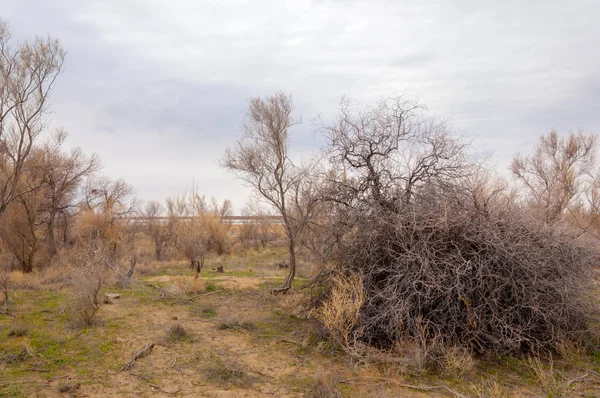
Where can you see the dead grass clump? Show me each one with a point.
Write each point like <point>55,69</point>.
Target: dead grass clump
<point>68,387</point>
<point>458,362</point>
<point>234,323</point>
<point>325,385</point>
<point>489,389</point>
<point>340,313</point>
<point>226,373</point>
<point>18,331</point>
<point>552,381</point>
<point>190,285</point>
<point>176,333</point>
<point>25,281</point>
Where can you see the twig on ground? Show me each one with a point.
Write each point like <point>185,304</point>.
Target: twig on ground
<point>193,297</point>
<point>144,352</point>
<point>159,388</point>
<point>578,379</point>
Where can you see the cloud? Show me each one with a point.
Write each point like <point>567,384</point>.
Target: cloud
<point>159,89</point>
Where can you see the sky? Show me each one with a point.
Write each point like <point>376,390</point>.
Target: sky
<point>159,89</point>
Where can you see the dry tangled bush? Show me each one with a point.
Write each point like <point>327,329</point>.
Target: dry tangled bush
<point>488,282</point>
<point>447,258</point>
<point>90,276</point>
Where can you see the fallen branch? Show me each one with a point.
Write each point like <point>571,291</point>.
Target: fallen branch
<point>578,379</point>
<point>144,352</point>
<point>290,341</point>
<point>7,314</point>
<point>193,297</point>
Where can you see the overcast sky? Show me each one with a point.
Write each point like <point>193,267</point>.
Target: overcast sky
<point>159,88</point>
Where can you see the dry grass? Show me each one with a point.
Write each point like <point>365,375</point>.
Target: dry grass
<point>489,389</point>
<point>326,385</point>
<point>552,381</point>
<point>458,362</point>
<point>275,354</point>
<point>226,373</point>
<point>176,333</point>
<point>339,314</point>
<point>18,331</point>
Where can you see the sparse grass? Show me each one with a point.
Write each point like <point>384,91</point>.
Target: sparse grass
<point>211,287</point>
<point>280,352</point>
<point>552,381</point>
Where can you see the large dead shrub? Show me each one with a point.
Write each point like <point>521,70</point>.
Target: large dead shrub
<point>447,258</point>
<point>497,282</point>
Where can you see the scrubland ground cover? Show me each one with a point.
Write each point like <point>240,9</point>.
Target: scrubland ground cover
<point>225,334</point>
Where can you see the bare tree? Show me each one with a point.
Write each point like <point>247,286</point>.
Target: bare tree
<point>104,213</point>
<point>187,214</point>
<point>384,153</point>
<point>555,176</point>
<point>27,74</point>
<point>261,159</point>
<point>63,176</point>
<point>441,258</point>
<point>159,231</point>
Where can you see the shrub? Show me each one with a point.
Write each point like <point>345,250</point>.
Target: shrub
<point>90,277</point>
<point>340,313</point>
<point>490,282</point>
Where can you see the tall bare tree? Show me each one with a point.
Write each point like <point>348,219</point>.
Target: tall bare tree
<point>383,154</point>
<point>261,159</point>
<point>556,174</point>
<point>27,74</point>
<point>64,175</point>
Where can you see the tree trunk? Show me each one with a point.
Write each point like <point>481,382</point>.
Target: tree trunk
<point>292,272</point>
<point>51,237</point>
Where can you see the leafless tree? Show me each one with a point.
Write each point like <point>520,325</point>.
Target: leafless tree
<point>261,159</point>
<point>64,175</point>
<point>187,213</point>
<point>27,74</point>
<point>382,154</point>
<point>159,231</point>
<point>104,212</point>
<point>442,257</point>
<point>556,175</point>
